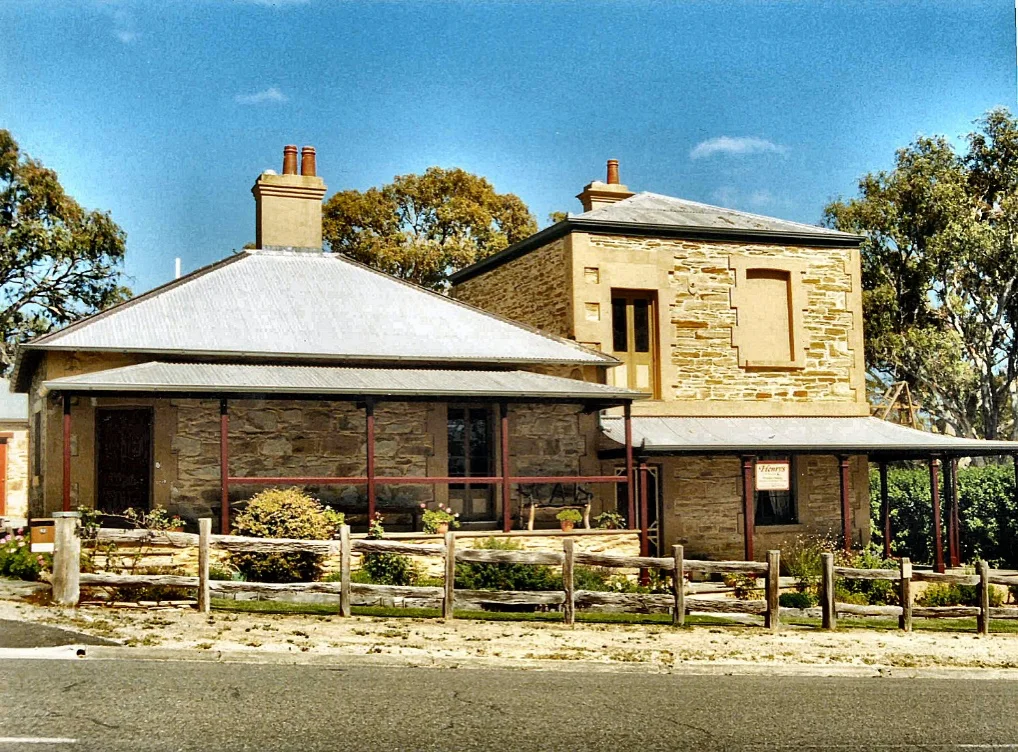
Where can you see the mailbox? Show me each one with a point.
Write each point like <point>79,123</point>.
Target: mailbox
<point>43,535</point>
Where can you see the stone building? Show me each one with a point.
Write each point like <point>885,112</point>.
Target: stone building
<point>13,458</point>
<point>745,332</point>
<point>284,365</point>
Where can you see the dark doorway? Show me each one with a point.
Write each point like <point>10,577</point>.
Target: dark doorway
<point>123,450</point>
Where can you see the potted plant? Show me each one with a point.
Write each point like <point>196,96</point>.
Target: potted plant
<point>610,521</point>
<point>439,520</point>
<point>568,518</point>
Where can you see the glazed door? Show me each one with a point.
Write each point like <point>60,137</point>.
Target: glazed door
<point>123,450</point>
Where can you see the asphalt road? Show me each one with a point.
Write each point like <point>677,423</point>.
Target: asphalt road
<point>146,705</point>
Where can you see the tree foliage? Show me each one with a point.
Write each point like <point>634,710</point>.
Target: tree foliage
<point>940,295</point>
<point>58,261</point>
<point>424,227</point>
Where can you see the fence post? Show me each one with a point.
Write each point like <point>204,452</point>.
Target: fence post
<point>905,621</point>
<point>830,612</point>
<point>204,594</point>
<point>679,586</point>
<point>569,607</point>
<point>344,570</point>
<point>773,617</point>
<point>66,559</point>
<point>450,575</point>
<point>984,598</point>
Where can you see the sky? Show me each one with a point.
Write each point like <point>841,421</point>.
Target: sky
<point>164,112</point>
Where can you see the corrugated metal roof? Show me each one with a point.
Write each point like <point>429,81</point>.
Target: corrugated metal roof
<point>310,380</point>
<point>861,435</point>
<point>12,406</point>
<point>317,305</point>
<point>655,209</point>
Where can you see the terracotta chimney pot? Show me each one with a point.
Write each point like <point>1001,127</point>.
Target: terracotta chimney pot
<point>290,159</point>
<point>307,161</point>
<point>613,172</point>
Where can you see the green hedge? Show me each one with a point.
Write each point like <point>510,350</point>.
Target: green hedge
<point>989,515</point>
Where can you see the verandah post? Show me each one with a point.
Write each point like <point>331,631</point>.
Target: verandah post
<point>224,467</point>
<point>951,487</point>
<point>773,617</point>
<point>344,570</point>
<point>450,575</point>
<point>569,606</point>
<point>66,559</point>
<point>678,586</point>
<point>503,410</point>
<point>938,539</point>
<point>369,414</point>
<point>204,537</point>
<point>846,504</point>
<point>644,530</point>
<point>827,604</point>
<point>905,595</point>
<point>748,506</point>
<point>66,495</point>
<point>885,509</point>
<point>630,471</point>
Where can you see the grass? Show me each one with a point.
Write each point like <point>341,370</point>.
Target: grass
<point>593,617</point>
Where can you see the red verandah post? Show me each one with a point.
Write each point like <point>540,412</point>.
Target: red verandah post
<point>503,411</point>
<point>369,411</point>
<point>938,540</point>
<point>630,473</point>
<point>885,509</point>
<point>66,501</point>
<point>748,506</point>
<point>846,505</point>
<point>644,533</point>
<point>951,487</point>
<point>224,467</point>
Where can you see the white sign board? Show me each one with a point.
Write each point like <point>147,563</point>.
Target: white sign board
<point>773,475</point>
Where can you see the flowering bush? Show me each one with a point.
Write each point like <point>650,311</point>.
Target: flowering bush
<point>433,518</point>
<point>386,568</point>
<point>17,559</point>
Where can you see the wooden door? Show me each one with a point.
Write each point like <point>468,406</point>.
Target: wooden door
<point>123,450</point>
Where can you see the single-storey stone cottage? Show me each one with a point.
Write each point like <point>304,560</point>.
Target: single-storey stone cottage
<point>695,369</point>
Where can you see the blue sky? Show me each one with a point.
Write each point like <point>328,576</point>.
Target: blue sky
<point>165,112</point>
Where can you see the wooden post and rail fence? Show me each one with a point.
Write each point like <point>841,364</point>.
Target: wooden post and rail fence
<point>67,579</point>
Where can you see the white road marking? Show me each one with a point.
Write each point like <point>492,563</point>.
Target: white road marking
<point>36,740</point>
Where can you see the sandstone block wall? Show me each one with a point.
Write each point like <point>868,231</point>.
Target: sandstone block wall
<point>17,471</point>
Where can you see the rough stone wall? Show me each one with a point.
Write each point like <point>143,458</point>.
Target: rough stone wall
<point>17,471</point>
<point>533,289</point>
<point>696,319</point>
<point>289,438</point>
<point>702,505</point>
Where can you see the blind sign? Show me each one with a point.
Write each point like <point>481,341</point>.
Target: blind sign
<point>773,475</point>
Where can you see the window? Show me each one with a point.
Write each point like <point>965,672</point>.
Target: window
<point>471,455</point>
<point>777,507</point>
<point>769,300</point>
<point>634,325</point>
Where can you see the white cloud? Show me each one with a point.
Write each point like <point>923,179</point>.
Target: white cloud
<point>761,199</point>
<point>735,146</point>
<point>271,94</point>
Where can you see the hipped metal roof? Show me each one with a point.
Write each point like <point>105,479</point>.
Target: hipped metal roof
<point>315,306</point>
<point>654,215</point>
<point>228,378</point>
<point>849,435</point>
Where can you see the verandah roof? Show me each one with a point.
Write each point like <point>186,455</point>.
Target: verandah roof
<point>229,378</point>
<point>754,435</point>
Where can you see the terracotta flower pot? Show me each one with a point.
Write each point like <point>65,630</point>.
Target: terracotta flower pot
<point>443,528</point>
<point>567,525</point>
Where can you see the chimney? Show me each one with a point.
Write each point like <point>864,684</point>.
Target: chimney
<point>288,207</point>
<point>597,194</point>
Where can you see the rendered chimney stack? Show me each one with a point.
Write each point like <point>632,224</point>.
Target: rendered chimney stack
<point>599,194</point>
<point>307,161</point>
<point>288,207</point>
<point>613,172</point>
<point>290,159</point>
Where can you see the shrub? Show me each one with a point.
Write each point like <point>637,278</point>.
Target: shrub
<point>743,585</point>
<point>433,518</point>
<point>569,515</point>
<point>866,592</point>
<point>956,595</point>
<point>797,600</point>
<point>282,513</point>
<point>505,576</point>
<point>801,559</point>
<point>17,559</point>
<point>386,568</point>
<point>610,521</point>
